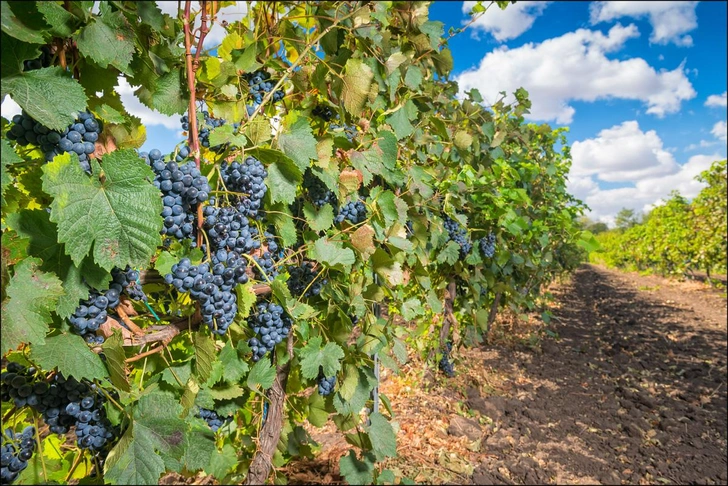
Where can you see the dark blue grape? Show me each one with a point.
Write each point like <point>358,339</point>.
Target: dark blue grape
<point>459,235</point>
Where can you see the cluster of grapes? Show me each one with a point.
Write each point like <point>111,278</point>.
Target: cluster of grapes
<point>91,313</point>
<point>229,229</point>
<point>445,365</point>
<point>79,137</point>
<point>353,211</point>
<point>248,178</point>
<point>16,451</point>
<point>43,61</point>
<point>300,279</point>
<point>259,83</point>
<point>324,112</point>
<point>270,325</point>
<point>203,132</point>
<point>349,130</point>
<point>317,190</point>
<point>183,187</point>
<point>487,245</point>
<point>212,288</point>
<point>459,235</point>
<point>410,228</point>
<point>63,403</point>
<point>214,421</point>
<point>126,280</point>
<point>325,384</point>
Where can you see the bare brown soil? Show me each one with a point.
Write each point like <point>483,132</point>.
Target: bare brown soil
<point>632,390</point>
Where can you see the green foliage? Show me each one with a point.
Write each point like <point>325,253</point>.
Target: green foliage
<point>405,146</point>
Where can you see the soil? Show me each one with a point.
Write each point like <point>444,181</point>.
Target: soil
<point>630,388</point>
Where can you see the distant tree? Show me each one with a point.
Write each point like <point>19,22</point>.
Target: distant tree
<point>625,219</point>
<point>595,227</point>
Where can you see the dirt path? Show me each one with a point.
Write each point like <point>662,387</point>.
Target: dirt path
<point>634,391</point>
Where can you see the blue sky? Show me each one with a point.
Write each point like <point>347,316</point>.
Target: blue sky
<point>641,86</point>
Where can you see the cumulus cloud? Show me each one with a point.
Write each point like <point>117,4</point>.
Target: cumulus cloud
<point>717,100</point>
<point>136,108</point>
<point>622,153</point>
<point>229,14</point>
<point>574,67</point>
<point>670,21</point>
<point>719,131</point>
<point>509,23</point>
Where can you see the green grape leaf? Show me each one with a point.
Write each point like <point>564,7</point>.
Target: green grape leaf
<point>114,351</point>
<point>413,78</point>
<point>205,356</point>
<point>234,366</point>
<point>72,356</point>
<point>153,442</point>
<point>13,53</point>
<point>7,157</point>
<point>221,463</point>
<point>281,217</point>
<point>387,268</point>
<point>19,22</point>
<point>332,254</point>
<point>357,79</point>
<point>283,179</point>
<point>49,95</point>
<point>412,308</point>
<point>393,208</point>
<point>299,144</point>
<point>355,471</point>
<point>108,40</point>
<point>227,392</point>
<point>317,414</point>
<point>400,123</point>
<point>224,134</point>
<point>199,449</point>
<point>313,355</point>
<point>61,22</point>
<point>450,254</point>
<point>381,434</point>
<point>319,219</point>
<point>119,213</point>
<point>263,374</point>
<point>32,295</point>
<point>182,371</point>
<point>170,96</point>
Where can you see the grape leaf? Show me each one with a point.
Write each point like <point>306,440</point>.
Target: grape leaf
<point>227,392</point>
<point>7,157</point>
<point>332,254</point>
<point>61,22</point>
<point>261,374</point>
<point>357,78</point>
<point>170,95</point>
<point>387,268</point>
<point>234,367</point>
<point>108,40</point>
<point>280,215</point>
<point>319,219</point>
<point>317,414</point>
<point>72,356</point>
<point>313,355</point>
<point>14,52</point>
<point>118,214</point>
<point>381,434</point>
<point>283,178</point>
<point>32,294</point>
<point>115,356</point>
<point>49,95</point>
<point>17,23</point>
<point>450,254</point>
<point>200,447</point>
<point>393,208</point>
<point>299,143</point>
<point>356,471</point>
<point>400,123</point>
<point>224,134</point>
<point>205,356</point>
<point>222,462</point>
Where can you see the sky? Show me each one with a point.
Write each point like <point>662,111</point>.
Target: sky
<point>641,86</point>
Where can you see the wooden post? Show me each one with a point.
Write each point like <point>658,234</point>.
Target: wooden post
<point>491,316</point>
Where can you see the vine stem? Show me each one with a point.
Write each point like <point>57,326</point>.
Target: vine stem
<point>74,465</point>
<point>191,70</point>
<point>40,448</point>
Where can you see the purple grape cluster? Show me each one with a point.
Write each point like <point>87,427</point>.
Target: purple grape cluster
<point>248,178</point>
<point>213,419</point>
<point>91,313</point>
<point>270,325</point>
<point>228,228</point>
<point>317,190</point>
<point>325,384</point>
<point>127,279</point>
<point>487,245</point>
<point>324,112</point>
<point>16,451</point>
<point>445,365</point>
<point>301,277</point>
<point>354,211</point>
<point>42,61</point>
<point>459,235</point>
<point>259,83</point>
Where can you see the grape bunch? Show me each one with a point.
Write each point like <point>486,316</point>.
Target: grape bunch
<point>212,288</point>
<point>317,190</point>
<point>270,325</point>
<point>325,384</point>
<point>445,365</point>
<point>410,227</point>
<point>203,132</point>
<point>17,449</point>
<point>353,211</point>
<point>459,235</point>
<point>214,421</point>
<point>79,137</point>
<point>487,245</point>
<point>324,112</point>
<point>246,177</point>
<point>259,83</point>
<point>127,280</point>
<point>300,279</point>
<point>229,229</point>
<point>91,313</point>
<point>183,188</point>
<point>350,131</point>
<point>42,61</point>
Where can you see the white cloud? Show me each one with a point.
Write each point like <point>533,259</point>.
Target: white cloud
<point>701,144</point>
<point>9,108</point>
<point>229,14</point>
<point>622,153</point>
<point>719,131</point>
<point>574,67</point>
<point>136,108</point>
<point>717,100</point>
<point>670,20</point>
<point>509,23</point>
